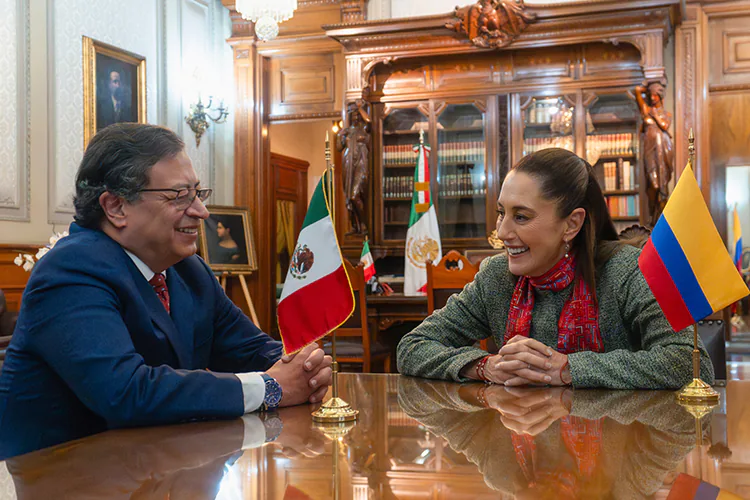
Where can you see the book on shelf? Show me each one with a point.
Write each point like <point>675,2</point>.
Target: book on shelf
<point>624,144</point>
<point>534,144</point>
<point>619,175</point>
<point>464,184</point>
<point>623,205</point>
<point>461,152</point>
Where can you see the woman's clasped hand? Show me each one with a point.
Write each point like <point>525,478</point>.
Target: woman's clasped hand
<point>524,361</point>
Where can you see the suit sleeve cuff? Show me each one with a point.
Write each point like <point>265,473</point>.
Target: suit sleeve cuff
<point>253,390</point>
<point>254,432</point>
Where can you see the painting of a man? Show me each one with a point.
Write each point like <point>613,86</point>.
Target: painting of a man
<point>115,82</point>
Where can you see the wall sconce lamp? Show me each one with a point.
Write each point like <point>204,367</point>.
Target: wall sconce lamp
<point>197,118</point>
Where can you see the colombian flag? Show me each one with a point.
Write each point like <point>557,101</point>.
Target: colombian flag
<point>737,230</point>
<point>685,262</point>
<point>687,487</point>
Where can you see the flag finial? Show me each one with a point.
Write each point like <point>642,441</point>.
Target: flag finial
<point>691,147</point>
<point>421,136</point>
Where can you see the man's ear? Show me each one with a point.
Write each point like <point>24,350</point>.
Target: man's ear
<point>114,209</point>
<point>574,223</point>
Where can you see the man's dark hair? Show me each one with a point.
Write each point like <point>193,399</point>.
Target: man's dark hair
<point>118,159</point>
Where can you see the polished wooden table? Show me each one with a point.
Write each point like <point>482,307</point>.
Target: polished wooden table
<point>414,439</point>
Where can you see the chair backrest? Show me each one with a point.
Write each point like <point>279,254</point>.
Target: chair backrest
<point>711,333</point>
<point>449,276</point>
<point>356,325</point>
<point>7,318</point>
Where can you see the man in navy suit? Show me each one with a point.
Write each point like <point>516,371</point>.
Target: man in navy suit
<point>121,324</point>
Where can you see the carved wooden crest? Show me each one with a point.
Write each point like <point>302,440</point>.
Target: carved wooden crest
<point>492,23</point>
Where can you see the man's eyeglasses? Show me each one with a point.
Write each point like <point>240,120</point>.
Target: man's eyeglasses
<point>184,197</point>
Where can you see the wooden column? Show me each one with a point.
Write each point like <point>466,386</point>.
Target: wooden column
<point>252,172</point>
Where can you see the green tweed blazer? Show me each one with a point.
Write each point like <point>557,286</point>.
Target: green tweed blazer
<point>642,351</point>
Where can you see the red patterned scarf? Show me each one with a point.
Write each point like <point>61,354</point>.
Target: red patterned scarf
<point>578,326</point>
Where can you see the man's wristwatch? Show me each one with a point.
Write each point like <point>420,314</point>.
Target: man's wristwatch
<point>272,425</point>
<point>273,393</point>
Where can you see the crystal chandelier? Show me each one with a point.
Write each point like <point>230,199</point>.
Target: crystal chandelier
<point>278,10</point>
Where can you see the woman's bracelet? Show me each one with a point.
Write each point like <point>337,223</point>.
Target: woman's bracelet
<point>481,368</point>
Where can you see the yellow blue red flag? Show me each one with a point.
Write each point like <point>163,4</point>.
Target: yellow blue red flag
<point>737,230</point>
<point>688,487</point>
<point>685,262</point>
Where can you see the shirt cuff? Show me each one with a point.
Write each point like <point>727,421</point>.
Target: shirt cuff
<point>253,390</point>
<point>254,432</point>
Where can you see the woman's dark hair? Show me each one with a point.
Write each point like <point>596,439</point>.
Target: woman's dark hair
<point>236,229</point>
<point>569,180</point>
<point>118,159</point>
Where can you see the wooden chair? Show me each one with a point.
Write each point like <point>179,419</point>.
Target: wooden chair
<point>353,342</point>
<point>447,277</point>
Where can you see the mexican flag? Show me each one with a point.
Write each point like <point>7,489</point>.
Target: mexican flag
<point>367,262</point>
<point>317,296</point>
<point>423,236</point>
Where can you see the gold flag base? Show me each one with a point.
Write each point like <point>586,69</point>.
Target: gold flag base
<point>335,410</point>
<point>697,392</point>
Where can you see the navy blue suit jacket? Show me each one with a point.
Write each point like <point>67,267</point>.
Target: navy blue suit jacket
<point>95,349</point>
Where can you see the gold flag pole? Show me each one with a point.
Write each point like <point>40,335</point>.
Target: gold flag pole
<point>335,410</point>
<point>697,393</point>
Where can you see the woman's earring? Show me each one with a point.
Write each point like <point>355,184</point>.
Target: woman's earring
<point>567,249</point>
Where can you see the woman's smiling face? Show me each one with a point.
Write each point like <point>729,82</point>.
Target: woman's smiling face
<point>530,226</point>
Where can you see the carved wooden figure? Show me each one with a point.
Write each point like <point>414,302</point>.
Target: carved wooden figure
<point>354,141</point>
<point>492,23</point>
<point>658,155</point>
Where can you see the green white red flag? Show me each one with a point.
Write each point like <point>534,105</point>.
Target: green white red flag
<point>317,297</point>
<point>367,262</point>
<point>423,236</point>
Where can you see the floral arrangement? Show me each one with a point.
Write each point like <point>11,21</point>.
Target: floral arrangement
<point>27,261</point>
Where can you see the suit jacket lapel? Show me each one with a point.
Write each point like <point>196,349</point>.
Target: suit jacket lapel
<point>161,318</point>
<point>181,305</point>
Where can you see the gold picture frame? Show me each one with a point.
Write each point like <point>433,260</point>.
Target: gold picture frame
<point>237,253</point>
<point>114,87</point>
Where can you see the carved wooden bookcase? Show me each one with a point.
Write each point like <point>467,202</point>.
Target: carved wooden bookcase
<point>551,76</point>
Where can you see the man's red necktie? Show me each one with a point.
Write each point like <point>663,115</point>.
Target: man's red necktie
<point>160,287</point>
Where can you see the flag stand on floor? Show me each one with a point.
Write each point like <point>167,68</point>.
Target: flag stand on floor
<point>335,410</point>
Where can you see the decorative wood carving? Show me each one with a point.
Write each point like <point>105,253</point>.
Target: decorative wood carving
<point>492,23</point>
<point>658,153</point>
<point>368,45</point>
<point>355,143</point>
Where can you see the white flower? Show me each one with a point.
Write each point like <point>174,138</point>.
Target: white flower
<point>57,237</point>
<point>41,253</point>
<point>28,265</point>
<point>18,260</point>
<point>29,258</point>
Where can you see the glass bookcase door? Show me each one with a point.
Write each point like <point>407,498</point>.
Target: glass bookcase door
<point>548,122</point>
<point>612,148</point>
<point>401,129</point>
<point>461,171</point>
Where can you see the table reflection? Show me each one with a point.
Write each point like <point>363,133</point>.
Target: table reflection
<point>414,439</point>
<point>557,443</point>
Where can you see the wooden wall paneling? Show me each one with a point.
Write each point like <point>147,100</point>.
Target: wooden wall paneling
<point>306,86</point>
<point>729,40</point>
<point>730,146</point>
<point>13,278</point>
<point>253,186</point>
<point>691,90</point>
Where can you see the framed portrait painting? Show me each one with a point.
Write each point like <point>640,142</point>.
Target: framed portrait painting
<point>114,87</point>
<point>226,240</point>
